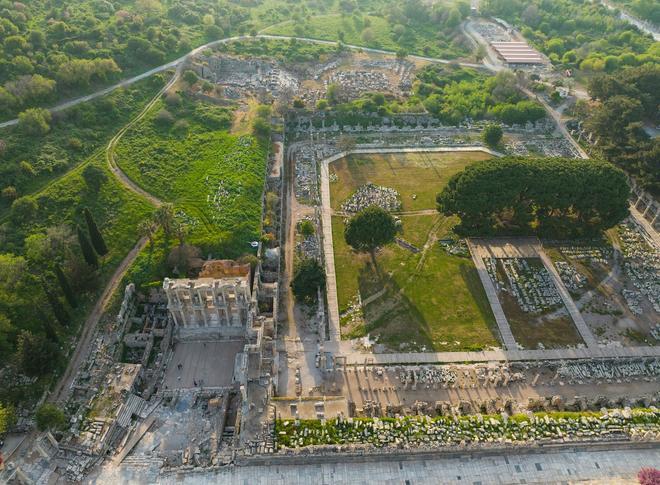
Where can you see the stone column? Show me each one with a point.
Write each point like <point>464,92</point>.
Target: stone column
<point>182,309</point>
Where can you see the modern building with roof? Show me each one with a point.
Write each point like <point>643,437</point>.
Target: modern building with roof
<point>517,53</point>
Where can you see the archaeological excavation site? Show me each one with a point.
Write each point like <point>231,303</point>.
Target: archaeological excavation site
<point>303,251</point>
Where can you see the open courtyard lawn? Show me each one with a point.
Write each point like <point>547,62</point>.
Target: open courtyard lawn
<point>427,38</point>
<point>429,299</point>
<point>183,153</point>
<point>418,177</point>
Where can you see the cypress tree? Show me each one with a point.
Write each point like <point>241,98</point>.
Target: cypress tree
<point>58,308</point>
<point>87,249</point>
<point>66,287</point>
<point>49,328</point>
<point>95,234</point>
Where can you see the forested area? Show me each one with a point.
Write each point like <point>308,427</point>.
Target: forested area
<point>549,197</point>
<point>577,33</point>
<point>452,94</point>
<point>59,246</point>
<point>648,10</point>
<point>625,101</point>
<point>52,50</point>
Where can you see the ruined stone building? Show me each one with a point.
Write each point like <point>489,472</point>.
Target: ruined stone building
<point>217,302</point>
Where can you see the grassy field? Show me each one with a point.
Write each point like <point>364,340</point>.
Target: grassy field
<point>214,178</point>
<point>75,134</point>
<point>401,171</point>
<point>428,300</point>
<point>426,39</point>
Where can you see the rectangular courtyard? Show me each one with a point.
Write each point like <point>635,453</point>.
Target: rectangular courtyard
<point>423,293</point>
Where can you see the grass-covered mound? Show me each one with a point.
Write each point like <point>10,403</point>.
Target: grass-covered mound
<point>427,37</point>
<point>30,161</point>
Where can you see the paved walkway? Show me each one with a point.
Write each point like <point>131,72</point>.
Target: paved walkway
<point>491,293</point>
<point>358,358</point>
<point>328,251</point>
<point>616,466</point>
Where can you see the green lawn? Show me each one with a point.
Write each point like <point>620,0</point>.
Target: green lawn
<point>214,178</point>
<point>421,175</point>
<point>426,39</point>
<point>432,299</point>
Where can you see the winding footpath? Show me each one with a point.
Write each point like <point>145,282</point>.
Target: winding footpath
<point>88,330</point>
<point>178,63</point>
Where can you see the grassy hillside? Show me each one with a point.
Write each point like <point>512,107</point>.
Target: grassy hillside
<point>214,179</point>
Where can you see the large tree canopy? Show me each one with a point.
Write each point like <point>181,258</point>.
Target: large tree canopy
<point>626,100</point>
<point>553,197</point>
<point>370,228</point>
<point>307,279</point>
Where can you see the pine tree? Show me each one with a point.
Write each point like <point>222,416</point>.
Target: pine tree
<point>66,287</point>
<point>95,234</point>
<point>58,308</point>
<point>87,249</point>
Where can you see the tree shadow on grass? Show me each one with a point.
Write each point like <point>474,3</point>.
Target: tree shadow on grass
<point>394,317</point>
<point>370,280</point>
<point>472,281</point>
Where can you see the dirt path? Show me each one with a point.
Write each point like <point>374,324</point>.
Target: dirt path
<point>89,327</point>
<point>181,60</point>
<point>88,330</point>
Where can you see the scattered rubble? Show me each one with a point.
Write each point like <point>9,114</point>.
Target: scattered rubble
<point>572,279</point>
<point>609,369</point>
<point>424,431</point>
<point>641,265</point>
<point>370,194</point>
<point>527,281</point>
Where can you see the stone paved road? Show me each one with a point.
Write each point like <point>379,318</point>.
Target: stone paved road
<point>602,467</point>
<point>508,340</point>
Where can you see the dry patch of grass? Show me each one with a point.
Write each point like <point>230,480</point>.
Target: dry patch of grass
<point>418,177</point>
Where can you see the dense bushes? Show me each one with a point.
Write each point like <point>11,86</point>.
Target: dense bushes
<point>454,94</point>
<point>625,101</point>
<point>552,197</point>
<point>50,50</point>
<point>308,278</point>
<point>450,93</point>
<point>578,34</point>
